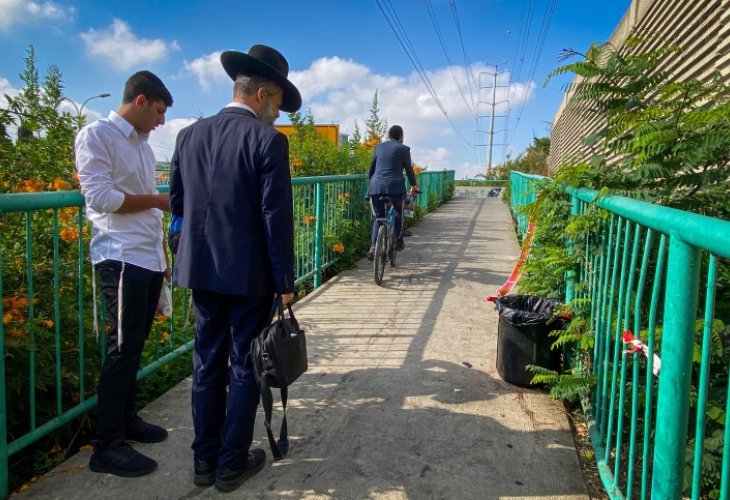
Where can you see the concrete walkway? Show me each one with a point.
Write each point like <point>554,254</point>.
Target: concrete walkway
<point>402,400</point>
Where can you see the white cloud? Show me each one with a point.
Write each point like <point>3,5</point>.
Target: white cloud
<point>120,48</point>
<point>15,12</point>
<point>162,139</point>
<point>207,69</point>
<point>7,88</point>
<point>341,91</point>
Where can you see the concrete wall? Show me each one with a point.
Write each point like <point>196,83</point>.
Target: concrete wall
<point>700,27</point>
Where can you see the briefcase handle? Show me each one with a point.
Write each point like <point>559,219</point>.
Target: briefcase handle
<point>278,306</point>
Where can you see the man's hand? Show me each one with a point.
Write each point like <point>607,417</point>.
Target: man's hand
<point>414,190</point>
<point>286,298</point>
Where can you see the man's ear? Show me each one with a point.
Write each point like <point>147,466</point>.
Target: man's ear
<point>140,100</point>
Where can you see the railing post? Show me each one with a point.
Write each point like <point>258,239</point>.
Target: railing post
<point>570,274</point>
<point>680,313</point>
<point>3,413</point>
<point>319,233</point>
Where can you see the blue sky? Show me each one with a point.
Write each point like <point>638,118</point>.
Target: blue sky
<point>339,53</point>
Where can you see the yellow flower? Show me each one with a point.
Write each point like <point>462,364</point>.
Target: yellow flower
<point>338,247</point>
<point>165,335</point>
<point>48,323</point>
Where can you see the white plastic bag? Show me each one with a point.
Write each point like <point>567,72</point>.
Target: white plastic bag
<point>164,306</point>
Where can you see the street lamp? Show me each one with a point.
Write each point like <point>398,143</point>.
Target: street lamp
<point>80,110</point>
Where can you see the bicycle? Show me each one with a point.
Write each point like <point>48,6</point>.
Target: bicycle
<point>385,249</point>
<point>384,244</point>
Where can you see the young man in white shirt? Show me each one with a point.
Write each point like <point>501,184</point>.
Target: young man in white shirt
<point>116,168</point>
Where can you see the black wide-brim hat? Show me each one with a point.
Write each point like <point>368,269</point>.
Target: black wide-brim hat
<point>267,62</point>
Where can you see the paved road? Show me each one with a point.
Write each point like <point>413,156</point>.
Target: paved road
<point>402,400</point>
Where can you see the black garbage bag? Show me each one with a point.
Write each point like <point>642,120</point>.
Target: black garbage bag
<point>523,336</point>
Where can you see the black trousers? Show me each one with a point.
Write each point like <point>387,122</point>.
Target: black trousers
<point>139,290</point>
<point>225,395</point>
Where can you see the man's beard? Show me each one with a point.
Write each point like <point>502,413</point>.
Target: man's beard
<point>268,114</point>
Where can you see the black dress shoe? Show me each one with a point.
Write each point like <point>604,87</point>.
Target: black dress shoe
<point>204,472</point>
<point>400,244</point>
<point>229,479</point>
<point>120,459</point>
<point>143,432</point>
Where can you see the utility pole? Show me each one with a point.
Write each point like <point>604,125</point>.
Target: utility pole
<point>492,105</point>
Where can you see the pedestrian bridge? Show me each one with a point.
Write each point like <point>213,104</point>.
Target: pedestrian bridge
<point>402,399</point>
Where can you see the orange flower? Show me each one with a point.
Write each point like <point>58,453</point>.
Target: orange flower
<point>16,332</point>
<point>61,185</point>
<point>48,323</point>
<point>8,317</point>
<point>69,234</point>
<point>31,186</point>
<point>297,163</point>
<point>309,219</point>
<point>338,247</point>
<point>165,335</point>
<point>416,169</point>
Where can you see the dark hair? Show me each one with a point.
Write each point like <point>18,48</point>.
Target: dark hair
<point>395,132</point>
<point>149,85</point>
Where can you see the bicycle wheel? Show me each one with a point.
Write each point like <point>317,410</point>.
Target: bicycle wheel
<point>380,255</point>
<point>392,252</point>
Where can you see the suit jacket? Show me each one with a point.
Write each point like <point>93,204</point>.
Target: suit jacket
<point>230,182</point>
<point>386,169</point>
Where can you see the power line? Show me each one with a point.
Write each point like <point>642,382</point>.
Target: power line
<point>542,36</point>
<point>400,33</point>
<point>467,64</point>
<point>440,37</point>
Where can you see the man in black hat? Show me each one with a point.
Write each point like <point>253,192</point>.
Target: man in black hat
<point>230,182</point>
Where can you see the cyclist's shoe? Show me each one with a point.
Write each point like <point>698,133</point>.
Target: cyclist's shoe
<point>400,244</point>
<point>371,253</point>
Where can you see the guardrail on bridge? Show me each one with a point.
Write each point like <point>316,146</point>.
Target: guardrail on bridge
<point>48,370</point>
<point>652,270</point>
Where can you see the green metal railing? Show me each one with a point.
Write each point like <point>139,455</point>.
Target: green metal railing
<point>51,351</point>
<point>650,271</point>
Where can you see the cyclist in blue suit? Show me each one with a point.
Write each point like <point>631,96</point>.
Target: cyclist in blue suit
<point>386,179</point>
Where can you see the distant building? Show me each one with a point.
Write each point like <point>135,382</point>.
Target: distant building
<point>331,132</point>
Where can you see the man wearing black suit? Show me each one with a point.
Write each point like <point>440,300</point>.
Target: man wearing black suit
<point>386,179</point>
<point>230,182</point>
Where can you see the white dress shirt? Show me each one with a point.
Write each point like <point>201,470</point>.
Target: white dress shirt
<point>113,159</point>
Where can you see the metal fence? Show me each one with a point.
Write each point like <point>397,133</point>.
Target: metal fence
<point>657,416</point>
<point>52,351</point>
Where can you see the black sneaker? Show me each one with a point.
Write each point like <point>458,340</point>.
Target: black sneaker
<point>400,244</point>
<point>371,253</point>
<point>204,472</point>
<point>143,432</point>
<point>228,479</point>
<point>122,460</point>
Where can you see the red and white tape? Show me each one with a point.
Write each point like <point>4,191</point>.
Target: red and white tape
<point>636,346</point>
<point>517,271</point>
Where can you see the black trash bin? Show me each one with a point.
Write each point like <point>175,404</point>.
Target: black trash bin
<point>523,336</point>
